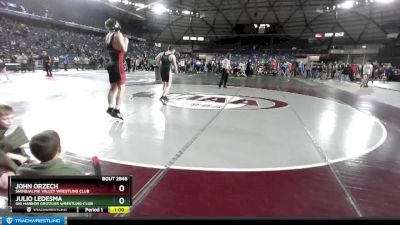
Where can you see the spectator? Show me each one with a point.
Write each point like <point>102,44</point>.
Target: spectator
<point>182,65</point>
<point>248,68</point>
<point>56,61</point>
<point>226,66</point>
<point>66,61</point>
<point>3,66</point>
<point>24,62</point>
<point>128,63</point>
<point>367,73</point>
<point>47,64</point>
<point>77,61</point>
<point>133,63</point>
<point>46,147</point>
<point>345,72</point>
<point>85,62</point>
<point>101,62</point>
<point>13,142</point>
<point>31,62</point>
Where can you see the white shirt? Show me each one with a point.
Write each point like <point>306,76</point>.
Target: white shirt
<point>242,66</point>
<point>226,64</point>
<point>367,70</point>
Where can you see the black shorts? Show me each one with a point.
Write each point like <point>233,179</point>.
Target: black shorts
<point>115,74</point>
<point>165,76</point>
<point>47,66</point>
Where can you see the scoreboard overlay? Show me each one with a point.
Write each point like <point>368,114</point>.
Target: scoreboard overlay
<point>70,194</point>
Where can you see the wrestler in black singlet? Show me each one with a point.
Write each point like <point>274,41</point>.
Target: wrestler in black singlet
<point>115,69</point>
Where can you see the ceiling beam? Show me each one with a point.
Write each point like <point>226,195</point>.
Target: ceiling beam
<point>168,25</point>
<point>123,10</point>
<point>247,12</point>
<point>209,25</point>
<point>309,24</point>
<point>300,6</point>
<point>170,29</point>
<point>347,33</point>
<point>222,13</point>
<point>267,11</point>
<point>215,18</point>
<point>365,27</point>
<point>276,16</point>
<point>371,20</point>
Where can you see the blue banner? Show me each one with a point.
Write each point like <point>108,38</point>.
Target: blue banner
<point>25,220</point>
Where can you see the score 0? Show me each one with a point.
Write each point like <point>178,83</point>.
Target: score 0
<point>121,188</point>
<point>121,200</point>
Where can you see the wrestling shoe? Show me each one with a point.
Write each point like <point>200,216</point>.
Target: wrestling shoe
<point>162,99</point>
<point>117,114</point>
<point>109,111</point>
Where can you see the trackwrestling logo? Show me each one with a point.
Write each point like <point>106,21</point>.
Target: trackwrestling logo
<point>25,220</point>
<point>216,102</point>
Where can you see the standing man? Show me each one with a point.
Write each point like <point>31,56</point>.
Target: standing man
<point>137,63</point>
<point>367,72</point>
<point>101,61</point>
<point>164,60</point>
<point>226,66</point>
<point>182,65</point>
<point>133,61</point>
<point>31,61</point>
<point>117,45</point>
<point>77,61</point>
<point>3,66</point>
<point>66,61</point>
<point>47,64</point>
<point>248,68</point>
<point>24,62</point>
<point>128,63</point>
<point>56,61</point>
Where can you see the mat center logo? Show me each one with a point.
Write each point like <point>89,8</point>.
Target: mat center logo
<point>207,101</point>
<point>216,102</point>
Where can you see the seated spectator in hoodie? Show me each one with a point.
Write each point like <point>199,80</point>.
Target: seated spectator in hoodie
<point>46,147</point>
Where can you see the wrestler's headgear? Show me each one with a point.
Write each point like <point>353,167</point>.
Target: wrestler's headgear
<point>112,25</point>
